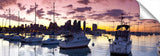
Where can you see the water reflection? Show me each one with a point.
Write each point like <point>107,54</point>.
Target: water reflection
<point>141,46</point>
<point>76,52</point>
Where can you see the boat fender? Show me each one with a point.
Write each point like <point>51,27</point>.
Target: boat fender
<point>92,44</point>
<point>109,40</point>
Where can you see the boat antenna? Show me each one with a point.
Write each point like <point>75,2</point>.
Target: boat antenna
<point>122,17</point>
<point>53,12</point>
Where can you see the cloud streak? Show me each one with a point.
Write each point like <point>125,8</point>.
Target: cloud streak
<point>14,18</point>
<point>51,13</point>
<point>85,2</point>
<point>83,9</point>
<point>20,6</point>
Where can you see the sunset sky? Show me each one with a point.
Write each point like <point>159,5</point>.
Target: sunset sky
<point>101,12</point>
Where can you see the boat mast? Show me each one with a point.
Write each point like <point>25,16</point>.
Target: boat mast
<point>18,18</point>
<point>9,21</point>
<point>122,20</point>
<point>9,17</point>
<point>53,12</point>
<point>35,13</point>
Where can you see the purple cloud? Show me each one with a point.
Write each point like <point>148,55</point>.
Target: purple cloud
<point>79,17</point>
<point>31,9</point>
<point>83,9</point>
<point>72,12</point>
<point>4,3</point>
<point>152,21</point>
<point>48,19</point>
<point>51,13</point>
<point>20,6</point>
<point>129,17</point>
<point>114,12</point>
<point>64,17</point>
<point>70,6</point>
<point>39,13</point>
<point>83,2</point>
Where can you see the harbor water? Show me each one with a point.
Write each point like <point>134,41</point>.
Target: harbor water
<point>141,46</point>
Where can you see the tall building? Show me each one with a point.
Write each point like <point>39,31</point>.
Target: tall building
<point>79,25</point>
<point>75,25</point>
<point>84,25</point>
<point>94,27</point>
<point>68,25</point>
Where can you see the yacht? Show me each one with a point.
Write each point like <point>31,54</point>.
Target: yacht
<point>74,40</point>
<point>32,39</point>
<point>122,43</point>
<point>50,41</point>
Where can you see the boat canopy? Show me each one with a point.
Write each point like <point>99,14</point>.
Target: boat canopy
<point>120,26</point>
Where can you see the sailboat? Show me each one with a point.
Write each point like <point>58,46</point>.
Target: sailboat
<point>122,43</point>
<point>2,35</point>
<point>74,40</point>
<point>33,39</point>
<point>17,37</point>
<point>8,36</point>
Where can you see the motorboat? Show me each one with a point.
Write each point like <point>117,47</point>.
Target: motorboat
<point>50,41</point>
<point>32,39</point>
<point>122,43</point>
<point>74,40</point>
<point>16,38</point>
<point>2,35</point>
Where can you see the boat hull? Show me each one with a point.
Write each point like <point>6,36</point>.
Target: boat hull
<point>31,40</point>
<point>120,49</point>
<point>50,43</point>
<point>117,54</point>
<point>71,45</point>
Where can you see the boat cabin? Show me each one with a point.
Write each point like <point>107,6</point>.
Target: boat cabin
<point>123,32</point>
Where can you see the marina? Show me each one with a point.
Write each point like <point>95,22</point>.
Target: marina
<point>76,28</point>
<point>141,46</point>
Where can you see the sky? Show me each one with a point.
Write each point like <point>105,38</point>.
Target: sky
<point>104,13</point>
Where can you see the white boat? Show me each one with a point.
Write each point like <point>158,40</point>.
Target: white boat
<point>74,40</point>
<point>16,38</point>
<point>32,39</point>
<point>122,43</point>
<point>50,41</point>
